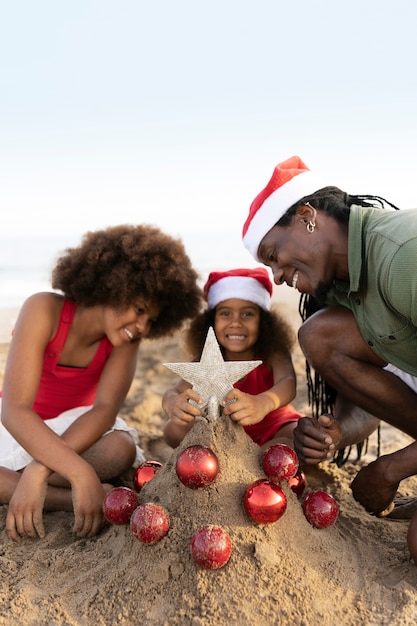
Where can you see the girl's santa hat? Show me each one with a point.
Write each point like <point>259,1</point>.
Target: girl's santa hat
<point>253,285</point>
<point>290,182</point>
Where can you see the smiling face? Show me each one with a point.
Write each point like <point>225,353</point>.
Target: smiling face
<point>306,261</point>
<point>133,323</point>
<point>236,324</point>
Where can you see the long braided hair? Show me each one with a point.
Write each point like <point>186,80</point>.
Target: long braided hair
<point>336,203</point>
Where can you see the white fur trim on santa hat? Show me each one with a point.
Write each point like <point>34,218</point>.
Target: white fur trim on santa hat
<point>242,287</point>
<point>276,205</point>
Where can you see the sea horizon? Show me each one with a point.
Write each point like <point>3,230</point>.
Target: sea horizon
<point>26,265</point>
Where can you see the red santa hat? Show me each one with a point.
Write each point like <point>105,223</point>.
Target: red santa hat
<point>253,285</point>
<point>290,182</point>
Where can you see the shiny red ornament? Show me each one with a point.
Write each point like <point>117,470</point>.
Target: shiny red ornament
<point>264,501</point>
<point>211,547</point>
<point>149,522</point>
<point>119,504</point>
<point>197,466</point>
<point>298,483</point>
<point>279,462</point>
<point>144,473</point>
<point>320,509</point>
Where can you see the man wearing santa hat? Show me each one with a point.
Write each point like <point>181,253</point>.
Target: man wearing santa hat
<point>359,264</point>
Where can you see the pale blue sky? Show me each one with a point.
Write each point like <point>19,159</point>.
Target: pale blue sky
<point>175,112</point>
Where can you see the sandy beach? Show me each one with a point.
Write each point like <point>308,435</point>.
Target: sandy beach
<point>358,571</point>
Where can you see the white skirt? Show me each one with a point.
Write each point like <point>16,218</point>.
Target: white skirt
<point>14,457</point>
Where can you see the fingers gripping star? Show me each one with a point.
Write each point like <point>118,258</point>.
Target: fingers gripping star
<point>212,375</point>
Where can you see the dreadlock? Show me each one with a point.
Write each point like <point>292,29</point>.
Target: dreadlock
<point>321,396</point>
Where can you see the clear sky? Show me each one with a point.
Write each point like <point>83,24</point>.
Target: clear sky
<point>174,112</point>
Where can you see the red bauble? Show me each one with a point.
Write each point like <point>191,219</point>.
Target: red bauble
<point>264,501</point>
<point>279,462</point>
<point>197,466</point>
<point>320,509</point>
<point>119,504</point>
<point>144,473</point>
<point>149,522</point>
<point>298,483</point>
<point>211,547</point>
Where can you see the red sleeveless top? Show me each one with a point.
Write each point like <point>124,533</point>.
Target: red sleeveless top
<point>61,387</point>
<point>258,380</point>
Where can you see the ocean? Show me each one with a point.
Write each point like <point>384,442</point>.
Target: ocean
<point>26,263</point>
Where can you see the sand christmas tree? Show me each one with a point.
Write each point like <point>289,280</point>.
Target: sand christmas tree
<point>220,504</point>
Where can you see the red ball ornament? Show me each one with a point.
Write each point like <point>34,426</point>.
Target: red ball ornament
<point>264,501</point>
<point>119,504</point>
<point>320,509</point>
<point>211,547</point>
<point>149,522</point>
<point>197,466</point>
<point>298,483</point>
<point>144,473</point>
<point>279,462</point>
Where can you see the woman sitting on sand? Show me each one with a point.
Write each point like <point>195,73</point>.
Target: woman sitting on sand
<point>239,311</point>
<point>71,361</point>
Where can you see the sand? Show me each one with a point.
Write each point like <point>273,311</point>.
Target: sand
<point>357,571</point>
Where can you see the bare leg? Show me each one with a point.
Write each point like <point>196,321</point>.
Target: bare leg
<point>110,456</point>
<point>57,498</point>
<point>335,348</point>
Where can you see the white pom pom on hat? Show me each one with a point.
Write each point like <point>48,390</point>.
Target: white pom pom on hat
<point>290,182</point>
<point>253,285</point>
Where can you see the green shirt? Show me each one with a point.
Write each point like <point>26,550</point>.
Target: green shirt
<point>382,288</point>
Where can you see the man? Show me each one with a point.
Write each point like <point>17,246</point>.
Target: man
<point>359,263</point>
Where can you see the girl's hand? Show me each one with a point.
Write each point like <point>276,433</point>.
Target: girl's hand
<point>245,408</point>
<point>24,515</point>
<point>183,412</point>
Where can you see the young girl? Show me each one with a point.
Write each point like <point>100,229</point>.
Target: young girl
<point>239,311</point>
<point>71,361</point>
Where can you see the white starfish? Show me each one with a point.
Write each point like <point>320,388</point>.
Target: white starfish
<point>212,376</point>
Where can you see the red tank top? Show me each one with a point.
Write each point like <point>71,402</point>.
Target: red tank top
<point>62,388</point>
<point>258,380</point>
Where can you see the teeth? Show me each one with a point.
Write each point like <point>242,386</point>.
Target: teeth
<point>235,336</point>
<point>128,333</point>
<point>295,280</point>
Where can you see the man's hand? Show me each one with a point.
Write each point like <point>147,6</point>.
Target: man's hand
<point>372,489</point>
<point>316,440</point>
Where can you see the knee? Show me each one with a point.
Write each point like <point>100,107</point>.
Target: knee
<point>112,455</point>
<point>123,449</point>
<point>328,332</point>
<point>313,335</point>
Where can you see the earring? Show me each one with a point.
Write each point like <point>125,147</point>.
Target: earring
<point>311,227</point>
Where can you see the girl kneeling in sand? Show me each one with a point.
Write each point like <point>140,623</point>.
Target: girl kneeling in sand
<point>239,311</point>
<point>71,362</point>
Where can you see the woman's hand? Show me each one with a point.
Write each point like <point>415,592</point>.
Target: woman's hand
<point>87,497</point>
<point>25,511</point>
